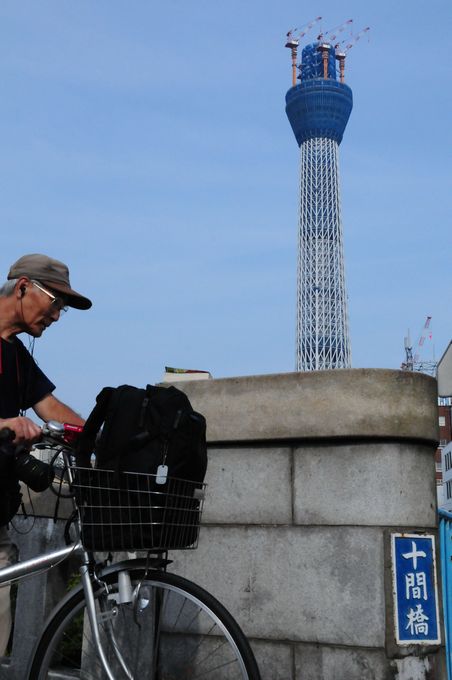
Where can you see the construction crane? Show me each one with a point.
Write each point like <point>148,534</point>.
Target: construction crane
<point>293,40</point>
<point>340,55</point>
<point>325,40</point>
<point>414,362</point>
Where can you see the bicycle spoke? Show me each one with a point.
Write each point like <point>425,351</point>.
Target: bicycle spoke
<point>173,635</point>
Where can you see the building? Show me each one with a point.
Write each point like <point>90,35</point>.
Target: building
<point>443,461</point>
<point>318,109</point>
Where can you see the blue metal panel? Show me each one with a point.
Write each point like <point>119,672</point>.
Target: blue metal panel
<point>319,108</point>
<point>445,534</point>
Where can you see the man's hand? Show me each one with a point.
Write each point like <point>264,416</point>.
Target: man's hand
<point>27,432</point>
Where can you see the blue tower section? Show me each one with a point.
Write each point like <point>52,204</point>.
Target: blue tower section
<point>318,110</point>
<point>318,106</point>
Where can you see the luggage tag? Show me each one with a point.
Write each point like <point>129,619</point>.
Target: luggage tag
<point>162,470</point>
<point>162,474</point>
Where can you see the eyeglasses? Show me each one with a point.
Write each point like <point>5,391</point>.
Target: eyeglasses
<point>57,302</point>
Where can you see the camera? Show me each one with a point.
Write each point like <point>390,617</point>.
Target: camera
<point>33,472</point>
<point>21,464</point>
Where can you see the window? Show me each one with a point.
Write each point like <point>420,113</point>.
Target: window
<point>448,460</point>
<point>442,421</point>
<point>449,489</point>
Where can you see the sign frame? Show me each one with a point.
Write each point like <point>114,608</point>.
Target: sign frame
<point>416,617</point>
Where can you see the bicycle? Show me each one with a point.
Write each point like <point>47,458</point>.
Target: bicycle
<point>130,619</point>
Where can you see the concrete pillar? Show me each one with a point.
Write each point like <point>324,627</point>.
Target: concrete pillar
<point>308,475</point>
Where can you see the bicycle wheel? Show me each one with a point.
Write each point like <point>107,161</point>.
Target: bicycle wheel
<point>174,630</point>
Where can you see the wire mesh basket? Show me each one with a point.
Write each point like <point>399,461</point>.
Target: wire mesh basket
<point>131,511</point>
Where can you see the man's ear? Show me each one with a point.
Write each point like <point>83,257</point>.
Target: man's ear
<point>21,286</point>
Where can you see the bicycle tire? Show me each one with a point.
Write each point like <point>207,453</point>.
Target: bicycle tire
<point>189,634</point>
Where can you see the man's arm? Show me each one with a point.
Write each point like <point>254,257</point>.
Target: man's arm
<point>50,408</point>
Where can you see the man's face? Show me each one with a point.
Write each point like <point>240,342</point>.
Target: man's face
<point>40,307</point>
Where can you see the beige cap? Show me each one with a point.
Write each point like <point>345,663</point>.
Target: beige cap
<point>51,273</point>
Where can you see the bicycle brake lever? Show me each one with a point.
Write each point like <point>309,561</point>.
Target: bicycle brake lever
<point>53,429</point>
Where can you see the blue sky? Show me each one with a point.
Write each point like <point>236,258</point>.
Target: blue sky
<point>146,145</point>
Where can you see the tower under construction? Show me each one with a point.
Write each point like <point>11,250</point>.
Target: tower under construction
<point>318,108</point>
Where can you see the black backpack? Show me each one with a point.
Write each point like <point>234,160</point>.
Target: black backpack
<point>153,432</point>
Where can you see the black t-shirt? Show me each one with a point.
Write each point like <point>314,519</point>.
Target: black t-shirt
<point>22,383</point>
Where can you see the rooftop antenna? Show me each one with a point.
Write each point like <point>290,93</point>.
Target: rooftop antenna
<point>408,363</point>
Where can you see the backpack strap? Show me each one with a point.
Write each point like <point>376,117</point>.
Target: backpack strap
<point>87,440</point>
<point>171,394</point>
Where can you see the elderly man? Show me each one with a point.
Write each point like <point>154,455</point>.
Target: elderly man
<point>36,294</point>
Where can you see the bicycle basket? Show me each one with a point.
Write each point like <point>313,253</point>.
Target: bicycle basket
<point>130,511</point>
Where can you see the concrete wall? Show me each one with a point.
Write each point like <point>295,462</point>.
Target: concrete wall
<point>308,475</point>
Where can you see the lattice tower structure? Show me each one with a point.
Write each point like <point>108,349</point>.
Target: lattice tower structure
<point>318,109</point>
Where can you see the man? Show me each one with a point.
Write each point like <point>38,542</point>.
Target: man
<point>36,294</point>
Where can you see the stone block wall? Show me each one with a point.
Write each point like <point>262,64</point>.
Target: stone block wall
<point>308,475</point>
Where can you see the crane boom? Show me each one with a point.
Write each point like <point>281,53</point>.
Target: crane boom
<point>301,32</point>
<point>336,30</point>
<point>357,37</point>
<point>422,337</point>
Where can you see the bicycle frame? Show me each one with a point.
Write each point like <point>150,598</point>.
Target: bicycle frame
<point>35,565</point>
<point>21,570</point>
<point>40,563</point>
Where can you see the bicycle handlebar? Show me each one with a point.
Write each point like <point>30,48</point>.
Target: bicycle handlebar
<point>61,432</point>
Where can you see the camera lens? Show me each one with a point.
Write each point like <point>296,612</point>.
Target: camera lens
<point>33,472</point>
